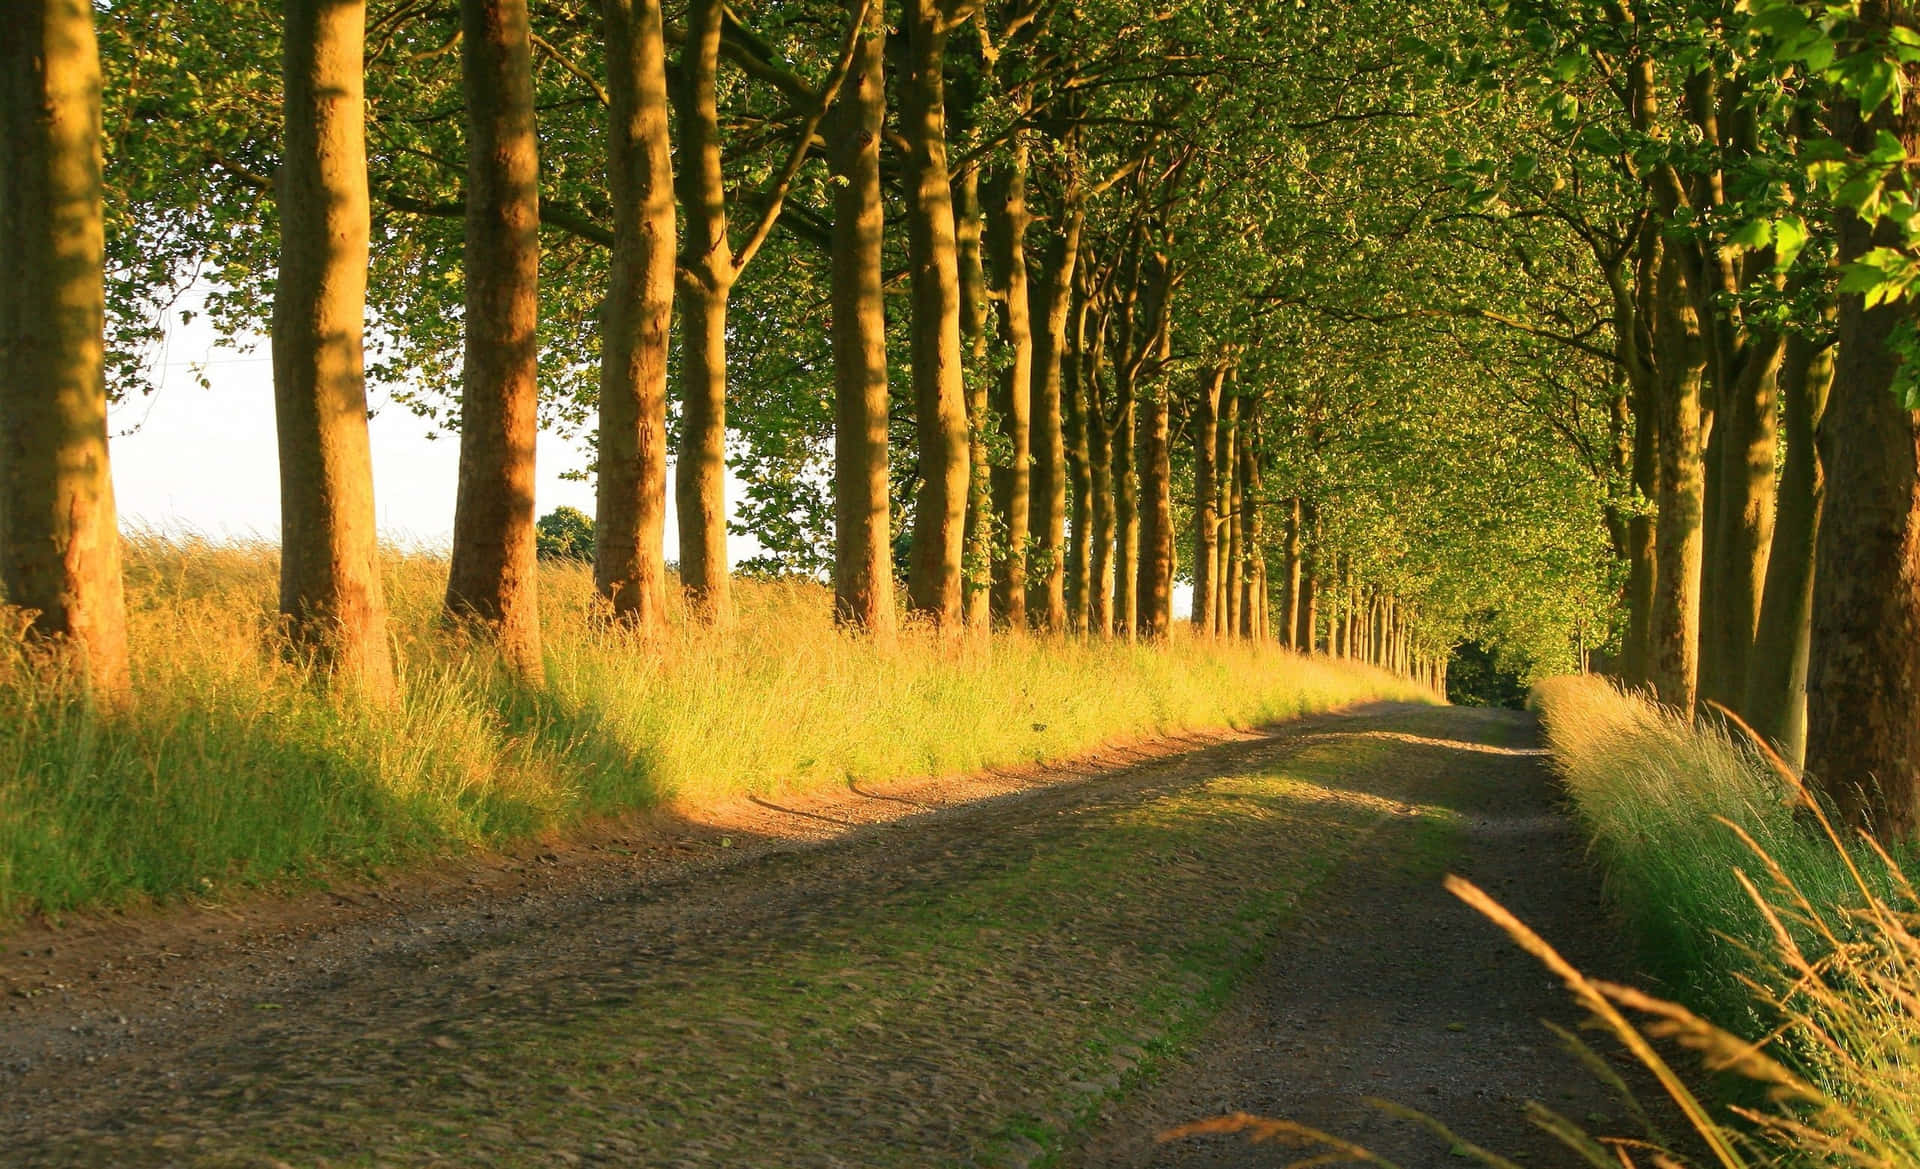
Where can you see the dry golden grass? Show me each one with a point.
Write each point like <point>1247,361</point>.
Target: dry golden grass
<point>231,767</point>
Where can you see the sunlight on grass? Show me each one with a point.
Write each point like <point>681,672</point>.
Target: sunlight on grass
<point>232,768</point>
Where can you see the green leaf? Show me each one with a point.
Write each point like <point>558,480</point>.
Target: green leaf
<point>1757,233</point>
<point>1789,240</point>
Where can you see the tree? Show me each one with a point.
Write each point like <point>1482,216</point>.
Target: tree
<point>629,558</point>
<point>59,544</point>
<point>566,533</point>
<point>331,596</point>
<point>934,583</point>
<point>491,582</point>
<point>863,568</point>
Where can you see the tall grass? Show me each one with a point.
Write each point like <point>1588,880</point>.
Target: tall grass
<point>232,768</point>
<point>1796,940</point>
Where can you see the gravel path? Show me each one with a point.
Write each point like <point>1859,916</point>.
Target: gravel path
<point>959,973</point>
<point>1389,987</point>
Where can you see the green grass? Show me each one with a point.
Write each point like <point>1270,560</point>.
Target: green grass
<point>1796,940</point>
<point>1665,803</point>
<point>232,769</point>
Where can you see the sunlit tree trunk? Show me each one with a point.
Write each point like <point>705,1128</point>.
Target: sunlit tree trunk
<point>1679,537</point>
<point>629,555</point>
<point>1307,619</point>
<point>1075,414</point>
<point>1290,579</point>
<point>1006,235</point>
<point>1156,516</point>
<point>978,559</point>
<point>1228,456</point>
<point>330,590</point>
<point>1100,615</point>
<point>706,275</point>
<point>1776,704</point>
<point>1206,509</point>
<point>863,536</point>
<point>1126,477</point>
<point>940,419</point>
<point>1249,508</point>
<point>1863,683</point>
<point>59,540</point>
<point>491,582</point>
<point>1052,301</point>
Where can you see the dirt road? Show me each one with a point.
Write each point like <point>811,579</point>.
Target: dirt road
<point>908,977</point>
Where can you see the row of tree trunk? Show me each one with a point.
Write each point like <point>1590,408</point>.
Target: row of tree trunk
<point>1070,526</point>
<point>1777,573</point>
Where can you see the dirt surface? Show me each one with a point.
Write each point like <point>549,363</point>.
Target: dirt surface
<point>968,972</point>
<point>1389,987</point>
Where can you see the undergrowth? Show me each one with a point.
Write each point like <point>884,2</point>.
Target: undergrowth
<point>232,768</point>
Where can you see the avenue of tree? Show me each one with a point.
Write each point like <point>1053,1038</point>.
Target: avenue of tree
<point>1582,330</point>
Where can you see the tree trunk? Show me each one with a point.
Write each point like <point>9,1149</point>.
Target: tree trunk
<point>1306,629</point>
<point>1156,517</point>
<point>1248,508</point>
<point>1863,684</point>
<point>1229,459</point>
<point>705,282</point>
<point>978,558</point>
<point>1206,510</point>
<point>1006,236</point>
<point>1126,485</point>
<point>1674,668</point>
<point>940,419</point>
<point>330,590</point>
<point>1052,300</point>
<point>863,534</point>
<point>1748,439</point>
<point>1776,705</point>
<point>1290,579</point>
<point>492,580</point>
<point>1075,413</point>
<point>59,540</point>
<point>629,553</point>
<point>1100,615</point>
<point>1642,535</point>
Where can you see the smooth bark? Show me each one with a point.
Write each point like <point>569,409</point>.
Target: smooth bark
<point>1206,507</point>
<point>969,231</point>
<point>1863,684</point>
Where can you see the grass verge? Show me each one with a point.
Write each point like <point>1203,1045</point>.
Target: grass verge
<point>1796,941</point>
<point>233,770</point>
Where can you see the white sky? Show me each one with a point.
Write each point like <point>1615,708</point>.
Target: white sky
<point>187,459</point>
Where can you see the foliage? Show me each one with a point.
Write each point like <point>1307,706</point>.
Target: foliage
<point>565,533</point>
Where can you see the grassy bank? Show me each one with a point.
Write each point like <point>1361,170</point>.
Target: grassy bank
<point>1783,930</point>
<point>232,769</point>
